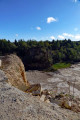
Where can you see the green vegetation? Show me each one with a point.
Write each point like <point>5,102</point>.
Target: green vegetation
<point>43,55</point>
<point>61,65</point>
<point>57,66</point>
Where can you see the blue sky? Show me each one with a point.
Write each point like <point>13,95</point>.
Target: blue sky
<point>40,19</point>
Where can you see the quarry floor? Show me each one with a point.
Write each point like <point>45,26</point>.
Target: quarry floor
<point>64,80</point>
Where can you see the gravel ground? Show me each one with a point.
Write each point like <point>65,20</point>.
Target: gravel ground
<point>60,79</point>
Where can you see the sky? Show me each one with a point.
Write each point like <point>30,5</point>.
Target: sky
<point>40,19</point>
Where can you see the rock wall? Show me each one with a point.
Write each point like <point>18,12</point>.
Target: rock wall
<point>15,72</point>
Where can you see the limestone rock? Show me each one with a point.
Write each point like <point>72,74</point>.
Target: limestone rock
<point>15,72</point>
<point>43,97</point>
<point>47,101</point>
<point>45,92</point>
<point>35,89</point>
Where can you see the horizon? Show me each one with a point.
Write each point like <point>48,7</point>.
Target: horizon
<point>40,20</point>
<point>39,40</point>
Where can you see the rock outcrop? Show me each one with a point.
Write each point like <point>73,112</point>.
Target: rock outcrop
<point>15,72</point>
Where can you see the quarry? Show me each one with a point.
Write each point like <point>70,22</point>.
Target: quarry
<point>38,95</point>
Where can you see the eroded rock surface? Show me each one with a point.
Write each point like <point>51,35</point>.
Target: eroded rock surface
<point>15,72</point>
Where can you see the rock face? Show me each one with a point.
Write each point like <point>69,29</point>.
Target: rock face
<point>15,72</point>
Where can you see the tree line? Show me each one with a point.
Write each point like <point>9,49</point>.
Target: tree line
<point>42,55</point>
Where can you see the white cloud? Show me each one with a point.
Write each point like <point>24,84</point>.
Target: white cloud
<point>51,19</point>
<point>52,37</point>
<point>75,29</point>
<point>61,37</point>
<point>38,28</point>
<point>68,35</point>
<point>77,37</point>
<point>17,35</point>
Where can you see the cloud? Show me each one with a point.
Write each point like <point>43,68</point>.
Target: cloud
<point>61,37</point>
<point>51,19</point>
<point>68,35</point>
<point>76,29</point>
<point>16,35</point>
<point>77,37</point>
<point>52,37</point>
<point>38,28</point>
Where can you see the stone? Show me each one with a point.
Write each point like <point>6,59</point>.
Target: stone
<point>43,97</point>
<point>47,101</point>
<point>45,92</point>
<point>36,93</point>
<point>35,89</point>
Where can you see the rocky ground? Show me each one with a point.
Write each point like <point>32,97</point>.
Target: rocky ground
<point>64,80</point>
<point>17,105</point>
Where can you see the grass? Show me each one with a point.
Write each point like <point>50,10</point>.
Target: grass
<point>60,65</point>
<point>57,66</point>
